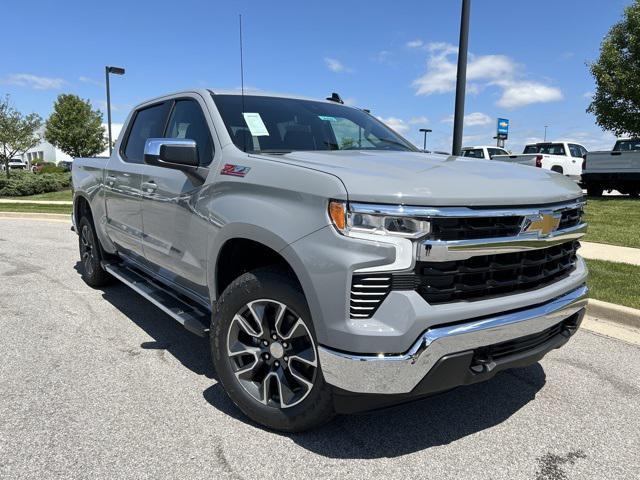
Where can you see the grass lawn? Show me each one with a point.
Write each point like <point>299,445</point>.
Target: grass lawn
<point>61,195</point>
<point>615,221</point>
<point>614,282</point>
<point>34,208</point>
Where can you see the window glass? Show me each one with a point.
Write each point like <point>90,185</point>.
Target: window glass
<point>283,125</point>
<point>473,153</point>
<point>187,121</point>
<point>575,150</point>
<point>626,145</point>
<point>496,151</point>
<point>546,149</point>
<point>148,123</point>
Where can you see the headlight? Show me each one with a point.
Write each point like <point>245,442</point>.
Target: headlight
<point>347,222</point>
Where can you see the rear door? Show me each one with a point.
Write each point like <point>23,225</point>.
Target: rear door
<point>574,166</point>
<point>123,178</point>
<point>175,234</point>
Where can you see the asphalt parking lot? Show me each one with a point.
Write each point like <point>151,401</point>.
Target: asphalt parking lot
<point>100,384</point>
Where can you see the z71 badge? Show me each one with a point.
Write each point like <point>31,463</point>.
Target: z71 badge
<point>234,170</point>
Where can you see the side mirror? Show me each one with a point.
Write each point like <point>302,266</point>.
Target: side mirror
<point>177,153</point>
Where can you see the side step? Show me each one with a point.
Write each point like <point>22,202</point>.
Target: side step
<point>194,317</point>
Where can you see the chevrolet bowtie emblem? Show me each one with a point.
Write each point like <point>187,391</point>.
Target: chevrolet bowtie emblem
<point>544,223</point>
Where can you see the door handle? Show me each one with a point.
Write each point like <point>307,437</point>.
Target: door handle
<point>149,186</point>
<point>110,180</point>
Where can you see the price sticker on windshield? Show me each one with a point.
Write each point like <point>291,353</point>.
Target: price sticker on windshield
<point>255,124</point>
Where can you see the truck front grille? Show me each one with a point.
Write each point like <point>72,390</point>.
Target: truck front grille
<point>486,276</point>
<point>367,293</point>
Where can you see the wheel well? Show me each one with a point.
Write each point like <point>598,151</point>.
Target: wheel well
<point>240,255</point>
<point>557,168</point>
<point>82,209</point>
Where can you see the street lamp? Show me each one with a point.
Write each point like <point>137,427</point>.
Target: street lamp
<point>425,130</point>
<point>545,132</point>
<point>107,71</point>
<point>461,82</point>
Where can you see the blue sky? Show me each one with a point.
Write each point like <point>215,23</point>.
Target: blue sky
<point>527,59</point>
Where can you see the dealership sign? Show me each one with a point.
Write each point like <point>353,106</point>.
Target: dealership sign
<point>503,128</point>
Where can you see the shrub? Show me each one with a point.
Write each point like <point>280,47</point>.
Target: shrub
<point>26,183</point>
<point>51,168</point>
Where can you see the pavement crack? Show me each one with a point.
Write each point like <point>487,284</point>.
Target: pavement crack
<point>550,465</point>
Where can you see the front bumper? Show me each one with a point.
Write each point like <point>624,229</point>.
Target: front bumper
<point>402,373</point>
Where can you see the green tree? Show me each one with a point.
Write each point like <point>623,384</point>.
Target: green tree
<point>75,128</point>
<point>18,133</point>
<point>616,102</point>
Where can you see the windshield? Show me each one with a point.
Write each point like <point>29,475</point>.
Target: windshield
<point>626,145</point>
<point>545,148</point>
<point>282,125</point>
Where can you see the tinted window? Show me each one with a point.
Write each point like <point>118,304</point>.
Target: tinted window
<point>148,123</point>
<point>626,145</point>
<point>187,121</point>
<point>496,151</point>
<point>575,150</point>
<point>282,125</point>
<point>473,153</point>
<point>546,149</point>
<point>530,149</point>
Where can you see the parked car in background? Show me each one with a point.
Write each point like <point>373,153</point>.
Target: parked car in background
<point>484,151</point>
<point>15,164</point>
<point>561,157</point>
<point>618,169</point>
<point>66,165</point>
<point>333,266</point>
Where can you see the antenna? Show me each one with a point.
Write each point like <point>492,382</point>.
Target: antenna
<point>244,137</point>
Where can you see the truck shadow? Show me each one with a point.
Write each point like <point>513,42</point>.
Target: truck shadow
<point>416,426</point>
<point>393,432</point>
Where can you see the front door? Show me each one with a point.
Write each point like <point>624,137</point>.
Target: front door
<point>175,234</point>
<point>123,179</point>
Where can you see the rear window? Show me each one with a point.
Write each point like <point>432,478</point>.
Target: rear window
<point>545,149</point>
<point>473,153</point>
<point>627,145</point>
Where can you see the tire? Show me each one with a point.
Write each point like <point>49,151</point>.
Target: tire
<point>255,381</point>
<point>594,190</point>
<point>91,255</point>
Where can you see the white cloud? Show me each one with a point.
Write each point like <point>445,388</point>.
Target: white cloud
<point>482,71</point>
<point>472,119</point>
<point>335,65</point>
<point>91,81</point>
<point>395,123</point>
<point>588,95</point>
<point>417,43</point>
<point>418,120</point>
<point>350,101</point>
<point>382,56</point>
<point>33,81</point>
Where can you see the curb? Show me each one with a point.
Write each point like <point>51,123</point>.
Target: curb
<point>35,202</point>
<point>37,216</point>
<point>610,312</point>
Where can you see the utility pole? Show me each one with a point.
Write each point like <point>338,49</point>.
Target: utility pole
<point>107,71</point>
<point>425,130</point>
<point>463,47</point>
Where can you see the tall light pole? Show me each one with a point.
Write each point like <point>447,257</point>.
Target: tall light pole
<point>461,82</point>
<point>425,130</point>
<point>545,132</point>
<point>107,71</point>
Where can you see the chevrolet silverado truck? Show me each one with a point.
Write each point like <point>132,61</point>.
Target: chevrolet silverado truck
<point>618,169</point>
<point>483,151</point>
<point>333,266</point>
<point>561,157</point>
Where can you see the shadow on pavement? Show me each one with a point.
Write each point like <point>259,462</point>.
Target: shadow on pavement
<point>392,432</point>
<point>189,349</point>
<point>416,426</point>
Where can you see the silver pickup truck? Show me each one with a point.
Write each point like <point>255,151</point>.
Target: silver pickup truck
<point>334,267</point>
<point>618,169</point>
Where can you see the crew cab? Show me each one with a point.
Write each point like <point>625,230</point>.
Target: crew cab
<point>332,265</point>
<point>618,169</point>
<point>483,151</point>
<point>561,157</point>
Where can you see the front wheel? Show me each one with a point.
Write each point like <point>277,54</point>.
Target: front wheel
<point>265,352</point>
<point>90,256</point>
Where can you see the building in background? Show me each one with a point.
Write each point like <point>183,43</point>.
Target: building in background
<point>45,152</point>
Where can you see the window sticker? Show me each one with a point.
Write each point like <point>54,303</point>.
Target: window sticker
<point>328,119</point>
<point>255,124</point>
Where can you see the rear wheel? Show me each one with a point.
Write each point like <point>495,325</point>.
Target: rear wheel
<point>90,256</point>
<point>266,355</point>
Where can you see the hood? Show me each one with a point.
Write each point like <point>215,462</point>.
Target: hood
<point>414,178</point>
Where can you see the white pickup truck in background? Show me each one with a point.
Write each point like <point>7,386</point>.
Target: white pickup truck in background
<point>483,151</point>
<point>618,169</point>
<point>562,157</point>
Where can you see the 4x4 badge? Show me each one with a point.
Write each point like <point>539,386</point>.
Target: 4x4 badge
<point>234,170</point>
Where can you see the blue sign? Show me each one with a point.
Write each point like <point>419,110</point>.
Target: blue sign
<point>503,128</point>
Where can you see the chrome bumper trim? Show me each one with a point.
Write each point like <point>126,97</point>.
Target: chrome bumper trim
<point>392,374</point>
<point>440,251</point>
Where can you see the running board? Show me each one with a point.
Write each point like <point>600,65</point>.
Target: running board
<point>194,317</point>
